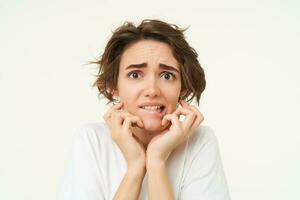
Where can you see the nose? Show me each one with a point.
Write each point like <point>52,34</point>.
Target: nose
<point>151,88</point>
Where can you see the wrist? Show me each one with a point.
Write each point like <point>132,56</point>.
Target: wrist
<point>153,161</point>
<point>156,157</point>
<point>136,169</point>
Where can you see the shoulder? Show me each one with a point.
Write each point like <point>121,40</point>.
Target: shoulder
<point>204,134</point>
<point>203,139</point>
<point>92,128</point>
<point>92,132</point>
<point>204,175</point>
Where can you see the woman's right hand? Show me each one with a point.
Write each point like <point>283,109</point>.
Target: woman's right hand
<point>120,122</point>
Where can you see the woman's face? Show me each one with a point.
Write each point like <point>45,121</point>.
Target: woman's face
<point>149,82</point>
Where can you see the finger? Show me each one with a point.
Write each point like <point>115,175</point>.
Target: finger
<point>183,103</point>
<point>137,121</point>
<point>115,107</point>
<point>140,122</point>
<point>118,105</point>
<point>190,117</point>
<point>117,121</point>
<point>119,116</point>
<point>190,107</point>
<point>176,112</point>
<point>184,111</point>
<point>173,118</point>
<point>164,120</point>
<point>129,121</point>
<point>199,117</point>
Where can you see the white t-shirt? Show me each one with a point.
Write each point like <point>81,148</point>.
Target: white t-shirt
<point>97,167</point>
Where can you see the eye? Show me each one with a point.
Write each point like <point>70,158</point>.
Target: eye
<point>168,76</point>
<point>133,74</point>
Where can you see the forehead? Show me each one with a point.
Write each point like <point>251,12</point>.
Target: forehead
<point>148,51</point>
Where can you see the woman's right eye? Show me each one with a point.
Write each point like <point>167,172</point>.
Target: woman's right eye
<point>133,75</point>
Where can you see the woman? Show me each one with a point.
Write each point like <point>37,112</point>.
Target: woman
<point>144,150</point>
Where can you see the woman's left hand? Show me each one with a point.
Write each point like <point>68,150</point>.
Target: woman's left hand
<point>161,146</point>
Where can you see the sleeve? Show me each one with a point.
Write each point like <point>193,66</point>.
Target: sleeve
<point>205,179</point>
<point>83,179</point>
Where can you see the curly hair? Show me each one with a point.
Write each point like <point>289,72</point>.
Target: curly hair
<point>192,74</point>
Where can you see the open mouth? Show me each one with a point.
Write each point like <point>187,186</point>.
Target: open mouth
<point>157,109</point>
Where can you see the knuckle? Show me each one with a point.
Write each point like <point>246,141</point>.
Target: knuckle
<point>201,115</point>
<point>125,111</point>
<point>202,118</point>
<point>117,113</point>
<point>112,112</point>
<point>173,115</point>
<point>135,118</point>
<point>194,107</point>
<point>166,116</point>
<point>179,108</point>
<point>125,114</point>
<point>193,114</point>
<point>127,120</point>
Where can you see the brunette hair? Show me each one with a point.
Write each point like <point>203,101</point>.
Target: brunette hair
<point>192,75</point>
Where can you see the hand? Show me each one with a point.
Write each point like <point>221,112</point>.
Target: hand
<point>120,122</point>
<point>161,146</point>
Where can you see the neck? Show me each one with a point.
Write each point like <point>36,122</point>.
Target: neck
<point>143,135</point>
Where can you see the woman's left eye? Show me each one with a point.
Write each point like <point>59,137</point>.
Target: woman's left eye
<point>168,75</point>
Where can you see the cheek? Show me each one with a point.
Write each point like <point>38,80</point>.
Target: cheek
<point>128,96</point>
<point>172,99</point>
<point>173,105</point>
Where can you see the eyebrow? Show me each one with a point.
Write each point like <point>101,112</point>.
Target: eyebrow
<point>144,65</point>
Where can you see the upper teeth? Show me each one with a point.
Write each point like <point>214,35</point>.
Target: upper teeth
<point>151,107</point>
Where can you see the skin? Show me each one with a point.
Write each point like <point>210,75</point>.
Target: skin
<point>146,140</point>
<point>151,83</point>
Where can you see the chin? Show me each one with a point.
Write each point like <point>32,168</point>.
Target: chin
<point>152,125</point>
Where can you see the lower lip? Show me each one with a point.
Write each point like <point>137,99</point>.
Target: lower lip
<point>152,112</point>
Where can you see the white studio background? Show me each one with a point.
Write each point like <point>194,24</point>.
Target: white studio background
<point>250,53</point>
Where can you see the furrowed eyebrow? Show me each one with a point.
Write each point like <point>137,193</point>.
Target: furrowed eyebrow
<point>168,67</point>
<point>144,65</point>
